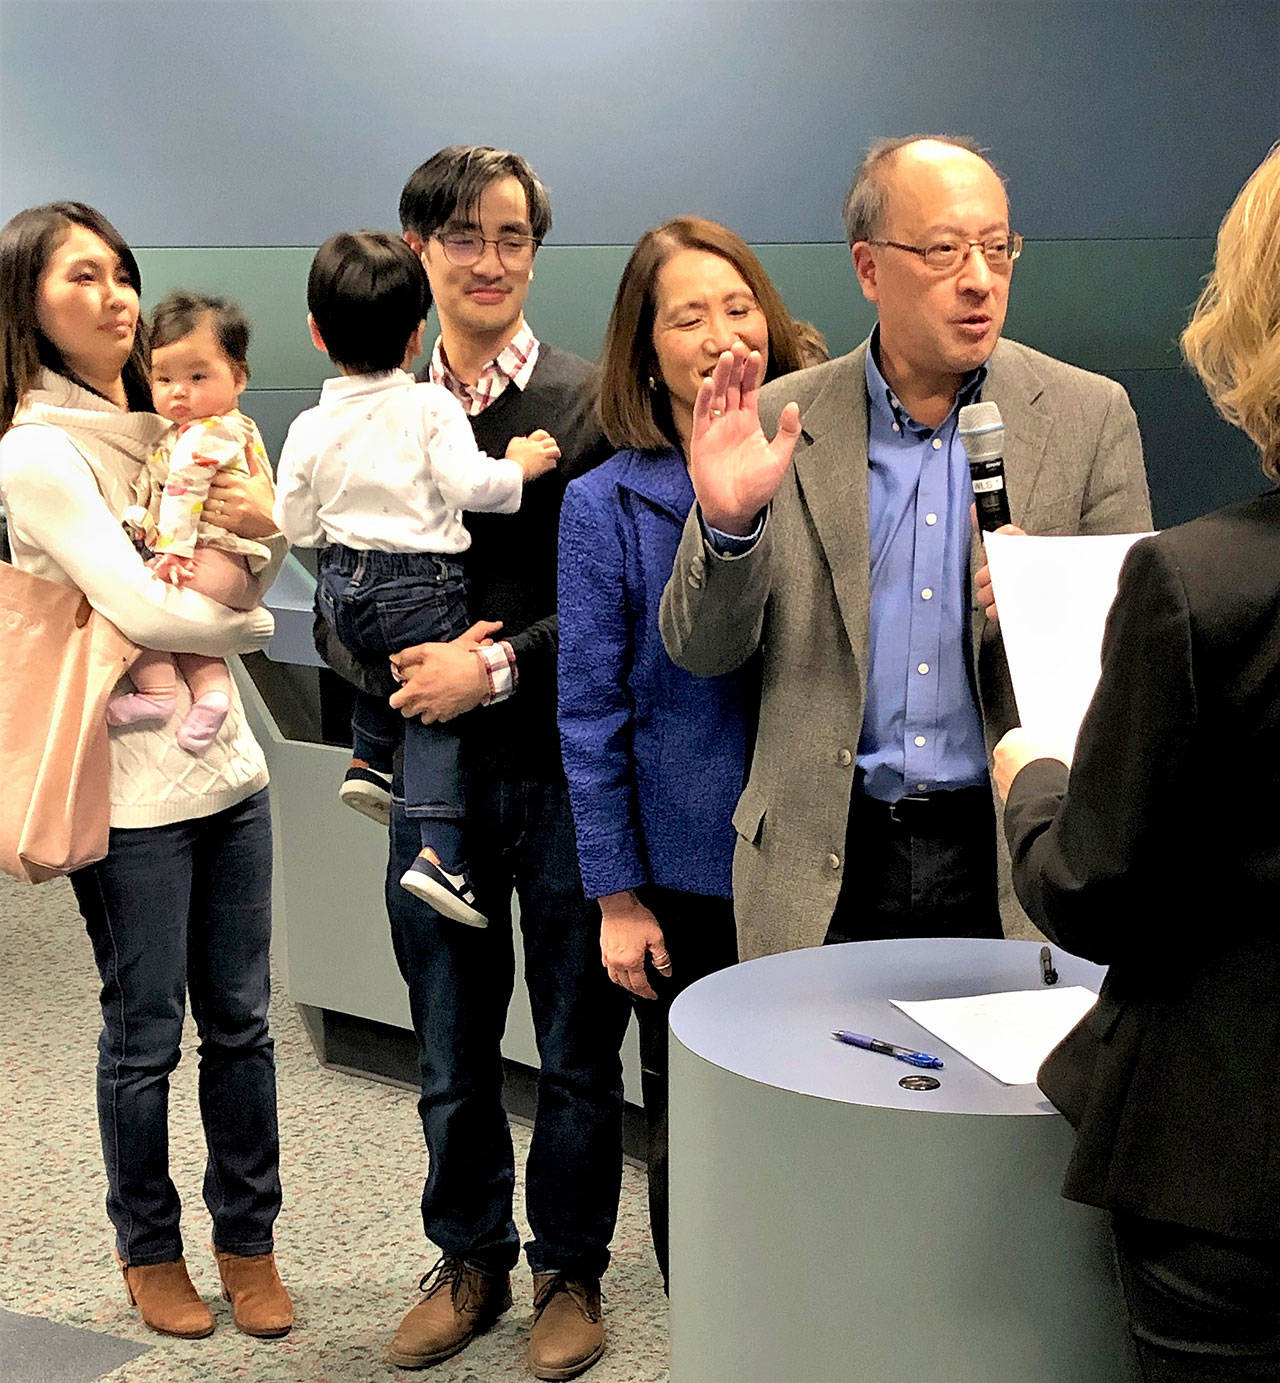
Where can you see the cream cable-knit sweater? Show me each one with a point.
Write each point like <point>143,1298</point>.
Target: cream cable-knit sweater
<point>67,472</point>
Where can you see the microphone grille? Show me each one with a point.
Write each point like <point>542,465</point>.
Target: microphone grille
<point>982,431</point>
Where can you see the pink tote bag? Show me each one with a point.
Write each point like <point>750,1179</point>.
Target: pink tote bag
<point>59,661</point>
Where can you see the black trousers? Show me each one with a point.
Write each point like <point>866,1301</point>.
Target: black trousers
<point>1202,1308</point>
<point>924,867</point>
<point>700,938</point>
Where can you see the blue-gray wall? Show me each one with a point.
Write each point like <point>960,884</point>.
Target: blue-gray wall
<point>227,139</point>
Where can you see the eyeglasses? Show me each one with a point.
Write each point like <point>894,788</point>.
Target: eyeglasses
<point>464,248</point>
<point>998,250</point>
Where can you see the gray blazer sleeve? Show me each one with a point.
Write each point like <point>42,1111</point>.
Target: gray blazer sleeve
<point>713,607</point>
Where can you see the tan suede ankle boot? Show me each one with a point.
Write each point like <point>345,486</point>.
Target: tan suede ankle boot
<point>458,1302</point>
<point>259,1302</point>
<point>568,1326</point>
<point>166,1300</point>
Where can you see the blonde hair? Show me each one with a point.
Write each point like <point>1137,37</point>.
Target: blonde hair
<point>1233,339</point>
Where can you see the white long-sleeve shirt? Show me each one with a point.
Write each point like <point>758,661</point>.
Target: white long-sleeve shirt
<point>385,464</point>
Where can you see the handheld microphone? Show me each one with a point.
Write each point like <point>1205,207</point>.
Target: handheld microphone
<point>982,436</point>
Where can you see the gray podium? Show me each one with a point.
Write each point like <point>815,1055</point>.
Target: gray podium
<point>829,1226</point>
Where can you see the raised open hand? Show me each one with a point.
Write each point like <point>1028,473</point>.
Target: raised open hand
<point>735,468</point>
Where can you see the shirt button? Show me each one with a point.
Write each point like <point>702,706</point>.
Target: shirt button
<point>833,861</point>
<point>920,741</point>
<point>896,428</point>
<point>845,757</point>
<point>922,669</point>
<point>927,593</point>
<point>937,444</point>
<point>931,519</point>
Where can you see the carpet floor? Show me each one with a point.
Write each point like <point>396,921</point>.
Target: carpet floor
<point>349,1240</point>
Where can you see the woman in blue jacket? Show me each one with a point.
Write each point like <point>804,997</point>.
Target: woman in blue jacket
<point>655,757</point>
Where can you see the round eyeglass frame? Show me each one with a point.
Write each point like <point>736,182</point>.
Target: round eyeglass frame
<point>528,243</point>
<point>1013,242</point>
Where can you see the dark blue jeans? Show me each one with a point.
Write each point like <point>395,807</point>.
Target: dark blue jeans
<point>378,603</point>
<point>460,983</point>
<point>171,910</point>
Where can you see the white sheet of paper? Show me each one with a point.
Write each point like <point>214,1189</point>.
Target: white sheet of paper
<point>1009,1034</point>
<point>1053,595</point>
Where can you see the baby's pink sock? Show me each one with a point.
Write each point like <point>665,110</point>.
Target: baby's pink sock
<point>202,722</point>
<point>132,708</point>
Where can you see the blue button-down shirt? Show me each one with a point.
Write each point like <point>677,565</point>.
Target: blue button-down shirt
<point>921,729</point>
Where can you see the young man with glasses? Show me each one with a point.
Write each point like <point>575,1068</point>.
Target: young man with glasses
<point>475,217</point>
<point>868,812</point>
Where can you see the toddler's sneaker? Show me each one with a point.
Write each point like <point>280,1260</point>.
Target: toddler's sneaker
<point>367,791</point>
<point>450,894</point>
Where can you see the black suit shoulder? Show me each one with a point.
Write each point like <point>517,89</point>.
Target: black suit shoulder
<point>1228,566</point>
<point>1220,550</point>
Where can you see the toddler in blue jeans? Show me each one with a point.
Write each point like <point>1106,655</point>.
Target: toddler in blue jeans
<point>376,475</point>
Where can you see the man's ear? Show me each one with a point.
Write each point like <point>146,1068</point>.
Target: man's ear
<point>316,339</point>
<point>864,265</point>
<point>415,242</point>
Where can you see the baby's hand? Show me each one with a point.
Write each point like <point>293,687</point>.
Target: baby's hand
<point>535,454</point>
<point>172,568</point>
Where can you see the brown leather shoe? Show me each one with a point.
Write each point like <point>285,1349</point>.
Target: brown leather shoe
<point>568,1326</point>
<point>166,1300</point>
<point>460,1302</point>
<point>259,1302</point>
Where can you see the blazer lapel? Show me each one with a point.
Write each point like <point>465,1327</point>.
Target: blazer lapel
<point>831,472</point>
<point>1017,389</point>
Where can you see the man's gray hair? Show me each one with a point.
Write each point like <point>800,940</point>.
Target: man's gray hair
<point>867,201</point>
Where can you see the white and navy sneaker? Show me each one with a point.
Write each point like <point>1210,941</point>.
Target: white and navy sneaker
<point>367,791</point>
<point>450,894</point>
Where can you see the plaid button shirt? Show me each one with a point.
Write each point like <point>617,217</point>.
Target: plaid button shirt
<point>512,365</point>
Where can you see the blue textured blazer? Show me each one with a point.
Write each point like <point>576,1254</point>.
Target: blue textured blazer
<point>654,755</point>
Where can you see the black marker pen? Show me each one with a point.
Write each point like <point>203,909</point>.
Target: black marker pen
<point>1047,973</point>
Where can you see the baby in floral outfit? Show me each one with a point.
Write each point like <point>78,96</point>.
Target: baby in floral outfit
<point>199,347</point>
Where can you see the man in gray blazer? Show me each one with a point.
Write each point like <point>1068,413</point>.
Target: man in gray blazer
<point>868,810</point>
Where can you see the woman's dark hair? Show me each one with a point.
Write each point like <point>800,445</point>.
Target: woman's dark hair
<point>179,314</point>
<point>632,412</point>
<point>27,243</point>
<point>367,293</point>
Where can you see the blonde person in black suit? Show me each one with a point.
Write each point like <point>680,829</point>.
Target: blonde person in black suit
<point>1158,853</point>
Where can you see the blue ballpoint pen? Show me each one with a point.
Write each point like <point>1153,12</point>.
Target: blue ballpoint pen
<point>874,1044</point>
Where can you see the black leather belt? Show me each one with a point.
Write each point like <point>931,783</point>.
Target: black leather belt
<point>922,812</point>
